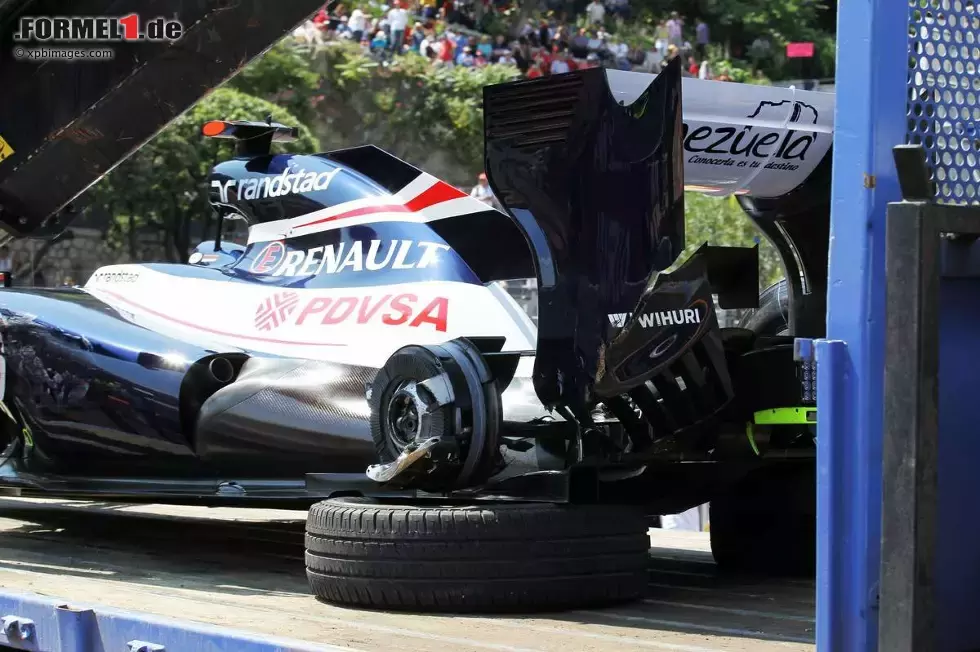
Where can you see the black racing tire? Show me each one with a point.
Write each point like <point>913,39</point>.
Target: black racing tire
<point>767,525</point>
<point>772,315</point>
<point>442,556</point>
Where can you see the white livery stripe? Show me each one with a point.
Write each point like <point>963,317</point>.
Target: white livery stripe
<point>416,187</point>
<point>323,220</point>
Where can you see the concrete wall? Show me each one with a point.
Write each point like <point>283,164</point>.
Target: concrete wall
<point>72,259</point>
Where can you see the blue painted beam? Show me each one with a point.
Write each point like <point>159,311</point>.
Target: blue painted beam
<point>33,622</point>
<point>872,59</point>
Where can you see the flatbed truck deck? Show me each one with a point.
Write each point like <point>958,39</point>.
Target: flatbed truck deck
<point>238,568</point>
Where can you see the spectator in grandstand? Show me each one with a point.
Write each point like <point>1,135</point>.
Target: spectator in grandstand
<point>466,58</point>
<point>759,51</point>
<point>380,41</point>
<point>661,38</point>
<point>484,47</point>
<point>621,8</point>
<point>596,12</point>
<point>579,46</point>
<point>320,18</point>
<point>414,38</point>
<point>398,23</point>
<point>357,24</point>
<point>704,71</point>
<point>675,29</point>
<point>559,63</point>
<point>544,34</point>
<point>702,37</point>
<point>308,34</point>
<point>501,46</point>
<point>447,49</point>
<point>545,46</point>
<point>523,55</point>
<point>428,46</point>
<point>482,190</point>
<point>692,66</point>
<point>429,10</point>
<point>561,38</point>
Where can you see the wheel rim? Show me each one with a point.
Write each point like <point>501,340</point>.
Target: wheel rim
<point>404,414</point>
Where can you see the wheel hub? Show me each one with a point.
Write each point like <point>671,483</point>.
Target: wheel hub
<point>405,412</point>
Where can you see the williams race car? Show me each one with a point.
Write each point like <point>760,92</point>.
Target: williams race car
<point>358,353</point>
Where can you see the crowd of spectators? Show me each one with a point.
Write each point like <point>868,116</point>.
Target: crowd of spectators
<point>446,32</point>
<point>443,31</point>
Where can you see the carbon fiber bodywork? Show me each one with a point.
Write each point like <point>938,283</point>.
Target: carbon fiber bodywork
<point>303,414</point>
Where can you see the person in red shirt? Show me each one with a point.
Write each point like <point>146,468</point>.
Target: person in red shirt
<point>321,18</point>
<point>693,66</point>
<point>448,52</point>
<point>543,60</point>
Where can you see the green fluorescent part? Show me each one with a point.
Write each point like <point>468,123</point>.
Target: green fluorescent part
<point>750,433</point>
<point>785,416</point>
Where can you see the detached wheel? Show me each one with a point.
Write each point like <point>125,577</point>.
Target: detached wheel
<point>440,556</point>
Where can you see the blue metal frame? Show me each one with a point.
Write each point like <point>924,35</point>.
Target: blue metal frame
<point>872,56</point>
<point>33,622</point>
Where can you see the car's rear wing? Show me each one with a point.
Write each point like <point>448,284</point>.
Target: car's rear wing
<point>592,166</point>
<point>65,124</point>
<point>747,139</point>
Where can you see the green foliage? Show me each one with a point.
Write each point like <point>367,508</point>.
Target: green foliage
<point>163,186</point>
<point>721,221</point>
<point>782,21</point>
<point>407,106</point>
<point>283,76</point>
<point>737,23</point>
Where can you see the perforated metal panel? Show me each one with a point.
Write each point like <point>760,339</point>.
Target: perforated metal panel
<point>944,94</point>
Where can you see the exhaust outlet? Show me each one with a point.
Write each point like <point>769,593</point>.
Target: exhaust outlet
<point>221,370</point>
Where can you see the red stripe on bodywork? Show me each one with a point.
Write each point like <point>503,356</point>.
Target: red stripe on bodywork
<point>211,330</point>
<point>436,194</point>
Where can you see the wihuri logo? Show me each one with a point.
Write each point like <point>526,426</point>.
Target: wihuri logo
<point>660,318</point>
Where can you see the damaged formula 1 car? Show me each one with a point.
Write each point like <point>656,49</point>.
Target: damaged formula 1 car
<point>359,351</point>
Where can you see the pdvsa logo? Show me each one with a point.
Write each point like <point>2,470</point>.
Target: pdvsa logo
<point>405,310</point>
<point>275,310</point>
